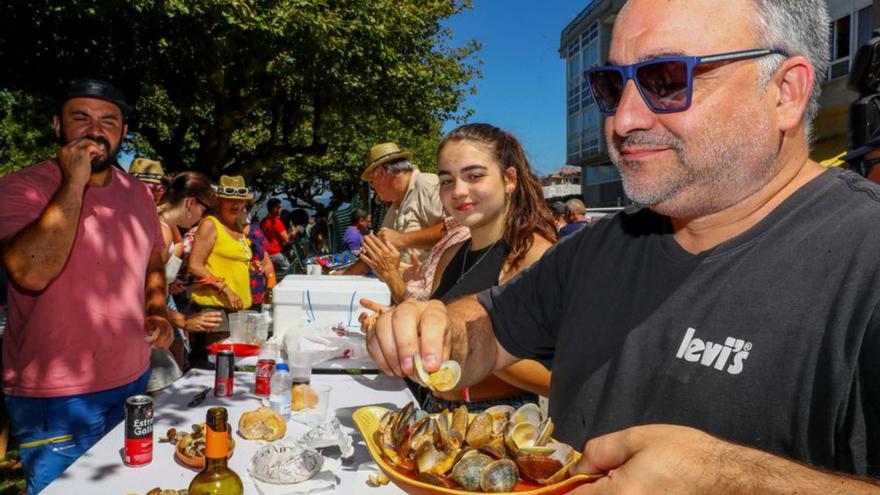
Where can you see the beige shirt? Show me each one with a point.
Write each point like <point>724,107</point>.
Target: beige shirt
<point>421,208</point>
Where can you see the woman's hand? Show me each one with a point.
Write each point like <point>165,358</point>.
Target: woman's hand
<point>203,322</point>
<point>235,303</point>
<point>381,256</point>
<point>176,287</point>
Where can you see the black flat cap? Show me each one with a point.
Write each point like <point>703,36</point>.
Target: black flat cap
<point>96,88</point>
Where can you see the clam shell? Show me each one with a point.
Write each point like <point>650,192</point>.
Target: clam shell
<point>285,462</point>
<point>499,476</point>
<point>442,380</point>
<point>480,430</point>
<point>468,470</point>
<point>537,468</point>
<point>527,413</point>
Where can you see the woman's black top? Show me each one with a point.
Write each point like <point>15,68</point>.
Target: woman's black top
<point>470,272</point>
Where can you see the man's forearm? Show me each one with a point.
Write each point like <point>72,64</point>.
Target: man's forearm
<point>154,287</point>
<point>747,470</point>
<point>472,340</point>
<point>36,255</point>
<point>422,239</point>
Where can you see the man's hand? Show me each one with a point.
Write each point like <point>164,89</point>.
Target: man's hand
<point>368,320</point>
<point>413,272</point>
<point>381,256</point>
<point>204,322</point>
<point>393,237</point>
<point>658,459</point>
<point>413,326</point>
<point>160,334</point>
<point>75,160</point>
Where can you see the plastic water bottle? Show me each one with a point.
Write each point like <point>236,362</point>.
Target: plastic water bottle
<point>279,396</point>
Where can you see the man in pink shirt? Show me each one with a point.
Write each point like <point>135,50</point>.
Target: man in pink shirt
<point>81,242</point>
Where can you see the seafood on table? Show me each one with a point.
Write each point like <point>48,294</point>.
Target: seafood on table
<point>159,491</point>
<point>190,447</point>
<point>488,452</point>
<point>262,424</point>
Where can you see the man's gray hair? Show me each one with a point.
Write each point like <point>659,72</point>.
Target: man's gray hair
<point>797,27</point>
<point>576,206</point>
<point>399,167</point>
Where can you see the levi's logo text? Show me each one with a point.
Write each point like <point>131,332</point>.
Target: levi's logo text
<point>728,357</point>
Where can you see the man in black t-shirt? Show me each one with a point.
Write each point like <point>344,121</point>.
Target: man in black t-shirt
<point>729,324</point>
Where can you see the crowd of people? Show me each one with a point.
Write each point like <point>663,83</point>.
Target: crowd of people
<point>726,321</point>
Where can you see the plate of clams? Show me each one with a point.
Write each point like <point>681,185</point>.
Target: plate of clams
<point>500,450</point>
<point>189,448</point>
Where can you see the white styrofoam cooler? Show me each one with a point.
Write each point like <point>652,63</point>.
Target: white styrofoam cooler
<point>333,298</point>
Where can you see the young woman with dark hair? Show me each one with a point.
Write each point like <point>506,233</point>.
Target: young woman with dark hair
<point>486,184</point>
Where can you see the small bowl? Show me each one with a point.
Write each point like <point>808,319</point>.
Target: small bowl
<point>199,462</point>
<point>367,421</point>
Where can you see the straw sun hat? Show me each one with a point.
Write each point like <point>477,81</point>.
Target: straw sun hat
<point>233,187</point>
<point>147,170</point>
<point>382,154</point>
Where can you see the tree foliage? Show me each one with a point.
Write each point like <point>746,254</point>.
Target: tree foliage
<point>289,93</point>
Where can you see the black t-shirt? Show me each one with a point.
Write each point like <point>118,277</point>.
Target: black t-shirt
<point>770,339</point>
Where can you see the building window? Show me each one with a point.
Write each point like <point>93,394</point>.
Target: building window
<point>590,131</point>
<point>841,39</point>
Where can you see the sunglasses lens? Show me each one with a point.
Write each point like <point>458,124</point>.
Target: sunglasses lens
<point>664,84</point>
<point>607,87</point>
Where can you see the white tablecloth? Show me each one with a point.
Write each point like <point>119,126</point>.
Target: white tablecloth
<point>101,471</point>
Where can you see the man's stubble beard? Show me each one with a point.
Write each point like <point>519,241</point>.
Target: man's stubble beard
<point>717,169</point>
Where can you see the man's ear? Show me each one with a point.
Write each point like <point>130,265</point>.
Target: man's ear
<point>56,123</point>
<point>794,81</point>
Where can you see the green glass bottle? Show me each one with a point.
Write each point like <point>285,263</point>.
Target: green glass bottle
<point>216,478</point>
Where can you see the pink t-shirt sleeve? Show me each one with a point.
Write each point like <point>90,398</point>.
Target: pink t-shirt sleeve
<point>23,200</point>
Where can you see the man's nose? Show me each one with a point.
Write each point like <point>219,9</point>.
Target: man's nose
<point>632,112</point>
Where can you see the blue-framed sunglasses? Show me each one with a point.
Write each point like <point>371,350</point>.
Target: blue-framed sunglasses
<point>666,84</point>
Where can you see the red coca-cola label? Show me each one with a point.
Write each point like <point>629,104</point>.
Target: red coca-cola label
<point>263,376</point>
<point>223,387</point>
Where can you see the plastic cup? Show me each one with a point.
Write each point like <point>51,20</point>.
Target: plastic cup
<point>317,414</point>
<point>238,326</point>
<point>300,367</point>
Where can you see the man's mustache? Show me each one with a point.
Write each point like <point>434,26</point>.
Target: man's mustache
<point>100,140</point>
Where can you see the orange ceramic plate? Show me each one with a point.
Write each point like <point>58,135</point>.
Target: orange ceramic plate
<point>199,462</point>
<point>367,421</point>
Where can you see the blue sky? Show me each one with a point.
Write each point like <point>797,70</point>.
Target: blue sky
<point>523,84</point>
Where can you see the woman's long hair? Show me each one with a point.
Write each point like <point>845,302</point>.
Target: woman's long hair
<point>527,212</point>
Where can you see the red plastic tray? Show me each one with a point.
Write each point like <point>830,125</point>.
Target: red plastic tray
<point>240,350</point>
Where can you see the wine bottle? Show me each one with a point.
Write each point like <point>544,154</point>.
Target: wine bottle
<point>216,478</point>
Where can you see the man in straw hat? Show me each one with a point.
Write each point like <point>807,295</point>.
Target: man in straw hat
<point>81,242</point>
<point>414,220</point>
<point>151,173</point>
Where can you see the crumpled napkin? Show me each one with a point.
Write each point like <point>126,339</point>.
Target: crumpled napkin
<point>323,481</point>
<point>329,434</point>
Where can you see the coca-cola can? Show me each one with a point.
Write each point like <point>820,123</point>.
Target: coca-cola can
<point>138,431</point>
<point>263,376</point>
<point>225,373</point>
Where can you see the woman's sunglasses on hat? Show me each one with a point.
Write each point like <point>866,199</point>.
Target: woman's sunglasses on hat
<point>233,191</point>
<point>665,83</point>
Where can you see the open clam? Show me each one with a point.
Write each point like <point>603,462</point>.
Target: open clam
<point>468,470</point>
<point>545,465</point>
<point>442,380</point>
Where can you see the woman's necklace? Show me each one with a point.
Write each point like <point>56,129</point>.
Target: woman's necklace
<point>464,261</point>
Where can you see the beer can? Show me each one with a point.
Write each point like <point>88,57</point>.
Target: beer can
<point>225,370</point>
<point>138,431</point>
<point>263,376</point>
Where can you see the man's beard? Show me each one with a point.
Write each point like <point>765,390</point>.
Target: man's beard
<point>99,163</point>
<point>712,171</point>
